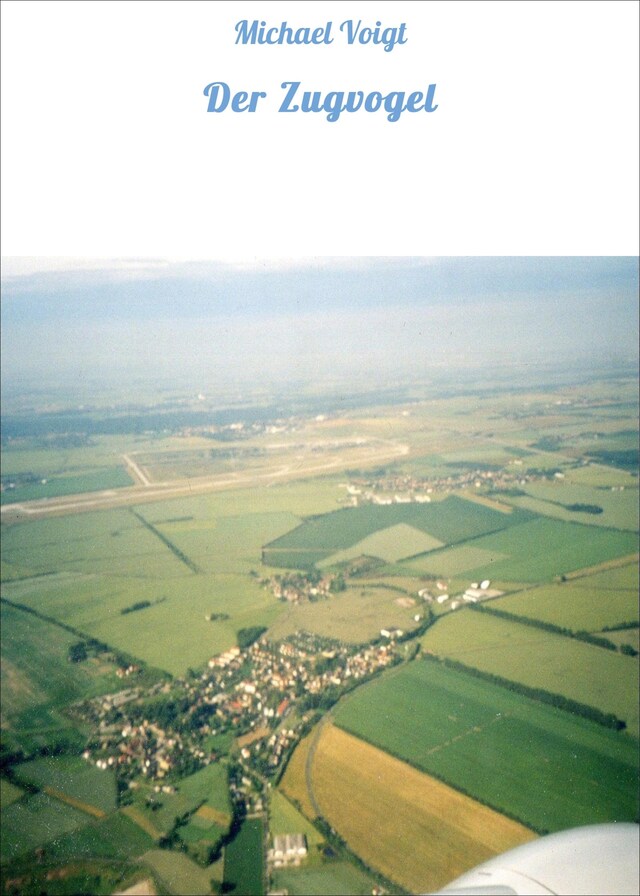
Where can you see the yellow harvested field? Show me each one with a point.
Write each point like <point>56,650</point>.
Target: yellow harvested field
<point>138,817</point>
<point>250,738</point>
<point>417,831</point>
<point>76,804</point>
<point>293,784</point>
<point>208,813</point>
<point>603,567</point>
<point>488,502</point>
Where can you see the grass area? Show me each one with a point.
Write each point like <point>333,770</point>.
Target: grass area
<point>540,659</point>
<point>576,605</point>
<point>38,680</point>
<point>244,859</point>
<point>35,821</point>
<point>629,636</point>
<point>284,818</point>
<point>448,521</point>
<point>101,563</point>
<point>9,793</point>
<point>301,498</point>
<point>412,828</point>
<point>534,551</point>
<point>207,786</point>
<point>623,577</point>
<point>391,544</point>
<point>72,777</point>
<point>452,561</point>
<point>503,749</point>
<point>333,878</point>
<point>93,543</point>
<point>177,874</point>
<point>294,783</point>
<point>45,461</point>
<point>355,615</point>
<point>115,837</point>
<point>57,486</point>
<point>619,508</point>
<point>598,476</point>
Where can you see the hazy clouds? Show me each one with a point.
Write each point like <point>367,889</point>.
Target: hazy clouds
<point>303,319</point>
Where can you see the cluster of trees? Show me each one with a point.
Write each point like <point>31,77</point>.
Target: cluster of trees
<point>139,605</point>
<point>583,508</point>
<point>247,636</point>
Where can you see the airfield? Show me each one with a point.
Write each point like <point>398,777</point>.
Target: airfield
<point>304,464</point>
<point>483,718</point>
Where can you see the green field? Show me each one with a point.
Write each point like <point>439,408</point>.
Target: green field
<point>576,605</point>
<point>449,521</point>
<point>177,874</point>
<point>38,680</point>
<point>34,821</point>
<point>207,787</point>
<point>390,544</point>
<point>57,486</point>
<point>534,551</point>
<point>504,750</point>
<point>284,818</point>
<point>333,878</point>
<point>244,860</point>
<point>619,508</point>
<point>73,777</point>
<point>84,570</point>
<point>539,659</point>
<point>355,615</point>
<point>114,837</point>
<point>9,793</point>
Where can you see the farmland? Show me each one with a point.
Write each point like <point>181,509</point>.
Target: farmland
<point>540,659</point>
<point>73,781</point>
<point>410,827</point>
<point>38,680</point>
<point>36,820</point>
<point>378,510</point>
<point>355,615</point>
<point>498,747</point>
<point>583,604</point>
<point>331,879</point>
<point>534,551</point>
<point>449,521</point>
<point>243,866</point>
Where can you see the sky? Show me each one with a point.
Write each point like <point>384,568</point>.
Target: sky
<point>202,323</point>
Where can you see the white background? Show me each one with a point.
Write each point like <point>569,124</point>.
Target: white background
<point>107,148</point>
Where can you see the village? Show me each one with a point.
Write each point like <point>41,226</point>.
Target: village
<point>406,489</point>
<point>264,697</point>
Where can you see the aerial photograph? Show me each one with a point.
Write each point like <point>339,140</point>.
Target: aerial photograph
<point>319,575</point>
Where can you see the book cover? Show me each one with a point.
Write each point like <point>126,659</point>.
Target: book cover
<point>319,446</point>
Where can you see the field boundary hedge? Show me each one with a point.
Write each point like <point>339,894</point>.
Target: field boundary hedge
<point>175,550</point>
<point>582,635</point>
<point>592,713</point>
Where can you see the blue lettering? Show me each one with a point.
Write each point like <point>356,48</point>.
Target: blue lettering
<point>286,102</point>
<point>219,94</point>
